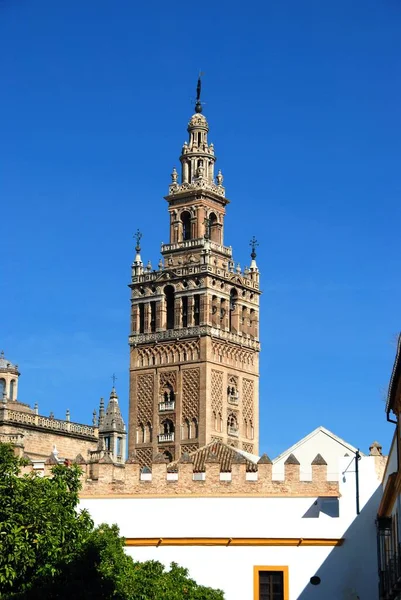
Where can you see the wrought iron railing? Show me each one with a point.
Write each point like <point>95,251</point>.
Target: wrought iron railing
<point>390,577</point>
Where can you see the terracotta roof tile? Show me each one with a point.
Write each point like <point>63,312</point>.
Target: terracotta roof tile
<point>223,453</point>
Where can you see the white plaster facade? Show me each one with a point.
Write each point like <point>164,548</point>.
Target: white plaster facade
<point>321,441</point>
<point>347,572</point>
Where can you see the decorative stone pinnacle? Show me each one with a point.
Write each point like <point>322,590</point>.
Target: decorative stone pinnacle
<point>138,236</point>
<point>253,243</point>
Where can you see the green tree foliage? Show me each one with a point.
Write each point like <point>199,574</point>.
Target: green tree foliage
<point>49,549</point>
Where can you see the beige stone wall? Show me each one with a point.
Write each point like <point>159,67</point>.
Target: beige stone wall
<point>126,481</point>
<point>40,443</point>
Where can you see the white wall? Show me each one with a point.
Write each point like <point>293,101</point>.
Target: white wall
<point>345,571</point>
<point>319,442</point>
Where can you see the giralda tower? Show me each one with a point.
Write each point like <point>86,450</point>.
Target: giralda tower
<point>194,341</point>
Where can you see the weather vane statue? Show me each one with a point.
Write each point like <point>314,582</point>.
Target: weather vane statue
<point>198,104</point>
<point>138,236</point>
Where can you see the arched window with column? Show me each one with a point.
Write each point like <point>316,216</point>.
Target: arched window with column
<point>186,225</point>
<point>232,424</point>
<point>2,387</point>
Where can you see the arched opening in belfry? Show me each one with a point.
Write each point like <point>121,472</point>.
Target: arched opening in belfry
<point>214,228</point>
<point>233,326</point>
<point>169,296</point>
<point>2,388</point>
<point>186,225</point>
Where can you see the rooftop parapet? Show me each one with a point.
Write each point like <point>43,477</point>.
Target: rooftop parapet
<point>103,479</point>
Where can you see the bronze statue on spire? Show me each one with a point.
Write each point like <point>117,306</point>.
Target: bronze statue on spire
<point>138,236</point>
<point>198,104</point>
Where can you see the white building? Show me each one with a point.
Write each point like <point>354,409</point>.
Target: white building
<point>321,441</point>
<point>309,547</point>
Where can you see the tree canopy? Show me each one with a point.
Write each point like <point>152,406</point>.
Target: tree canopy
<point>50,549</point>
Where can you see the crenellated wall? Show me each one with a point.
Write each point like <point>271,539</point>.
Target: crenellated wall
<point>107,479</point>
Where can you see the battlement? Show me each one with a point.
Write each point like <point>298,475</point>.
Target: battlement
<point>103,478</point>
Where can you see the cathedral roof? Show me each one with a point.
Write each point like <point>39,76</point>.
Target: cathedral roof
<point>112,420</point>
<point>217,451</point>
<point>6,364</point>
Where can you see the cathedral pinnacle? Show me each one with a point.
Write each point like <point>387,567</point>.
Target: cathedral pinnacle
<point>253,243</point>
<point>254,267</point>
<point>137,267</point>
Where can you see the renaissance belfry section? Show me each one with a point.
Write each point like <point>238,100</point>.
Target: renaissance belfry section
<point>194,341</point>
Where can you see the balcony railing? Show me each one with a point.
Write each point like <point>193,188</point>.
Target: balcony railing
<point>166,437</point>
<point>233,399</point>
<point>164,406</point>
<point>233,431</point>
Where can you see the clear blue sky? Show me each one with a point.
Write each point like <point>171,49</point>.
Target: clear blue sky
<point>303,102</point>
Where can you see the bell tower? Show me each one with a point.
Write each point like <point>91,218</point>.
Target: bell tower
<point>194,340</point>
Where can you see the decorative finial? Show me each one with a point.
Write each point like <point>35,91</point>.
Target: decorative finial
<point>219,178</point>
<point>174,176</point>
<point>138,236</point>
<point>198,104</point>
<point>160,265</point>
<point>94,420</point>
<point>2,354</point>
<point>67,415</point>
<point>253,243</point>
<point>114,378</point>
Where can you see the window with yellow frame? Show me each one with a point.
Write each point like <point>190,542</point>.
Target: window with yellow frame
<point>270,583</point>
